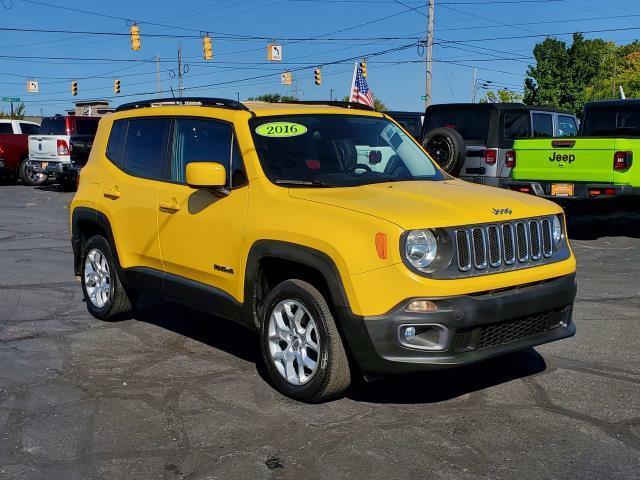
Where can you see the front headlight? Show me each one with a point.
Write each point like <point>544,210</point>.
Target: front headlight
<point>557,230</point>
<point>421,247</point>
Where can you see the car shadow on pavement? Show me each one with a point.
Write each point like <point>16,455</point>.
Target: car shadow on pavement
<point>428,387</point>
<point>442,385</point>
<point>603,218</point>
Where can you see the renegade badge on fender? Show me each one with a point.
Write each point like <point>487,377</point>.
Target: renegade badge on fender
<point>326,228</point>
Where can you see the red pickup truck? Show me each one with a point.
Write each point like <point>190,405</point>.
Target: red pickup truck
<point>14,152</point>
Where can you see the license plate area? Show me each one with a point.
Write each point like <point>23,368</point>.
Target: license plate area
<point>562,189</point>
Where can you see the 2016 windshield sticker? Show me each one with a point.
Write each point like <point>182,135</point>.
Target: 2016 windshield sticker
<point>281,129</point>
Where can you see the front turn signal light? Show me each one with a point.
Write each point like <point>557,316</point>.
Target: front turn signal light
<point>381,245</point>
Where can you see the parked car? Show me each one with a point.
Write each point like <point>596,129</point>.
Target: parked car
<point>14,152</point>
<point>62,146</point>
<point>598,163</point>
<point>326,229</point>
<point>410,121</point>
<point>475,141</point>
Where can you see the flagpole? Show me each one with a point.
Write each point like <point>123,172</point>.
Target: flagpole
<point>353,82</point>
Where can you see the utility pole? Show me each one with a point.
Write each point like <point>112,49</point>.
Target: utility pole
<point>613,86</point>
<point>429,54</point>
<point>331,94</point>
<point>474,88</point>
<point>180,85</point>
<point>158,85</point>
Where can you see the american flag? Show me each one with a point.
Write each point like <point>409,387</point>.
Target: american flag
<point>360,92</point>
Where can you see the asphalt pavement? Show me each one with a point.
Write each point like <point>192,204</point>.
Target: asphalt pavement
<point>177,394</point>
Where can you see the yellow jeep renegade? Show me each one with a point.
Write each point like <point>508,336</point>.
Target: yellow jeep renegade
<point>326,228</point>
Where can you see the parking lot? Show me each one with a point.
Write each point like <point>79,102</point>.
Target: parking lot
<point>177,394</point>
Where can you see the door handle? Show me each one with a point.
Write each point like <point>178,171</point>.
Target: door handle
<point>112,193</point>
<point>171,206</point>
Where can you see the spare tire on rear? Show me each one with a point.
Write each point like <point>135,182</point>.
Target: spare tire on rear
<point>446,146</point>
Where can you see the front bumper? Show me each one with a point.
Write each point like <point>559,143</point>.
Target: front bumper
<point>580,190</point>
<point>479,327</point>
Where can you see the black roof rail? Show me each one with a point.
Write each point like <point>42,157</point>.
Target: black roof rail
<point>335,103</point>
<point>200,101</point>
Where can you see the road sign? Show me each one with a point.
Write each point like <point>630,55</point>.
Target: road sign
<point>285,78</point>
<point>10,99</point>
<point>33,86</point>
<point>274,52</point>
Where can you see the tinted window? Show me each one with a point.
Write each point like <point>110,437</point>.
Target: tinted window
<point>567,126</point>
<point>611,120</point>
<point>115,147</point>
<point>29,129</point>
<point>86,126</point>
<point>516,125</point>
<point>199,140</point>
<point>6,128</point>
<point>145,147</point>
<point>542,125</point>
<point>471,123</point>
<point>53,126</point>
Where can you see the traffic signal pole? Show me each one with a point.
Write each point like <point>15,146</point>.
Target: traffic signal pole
<point>429,54</point>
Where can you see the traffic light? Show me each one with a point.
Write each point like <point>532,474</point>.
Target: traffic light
<point>116,86</point>
<point>207,47</point>
<point>74,88</point>
<point>363,68</point>
<point>317,74</point>
<point>135,37</point>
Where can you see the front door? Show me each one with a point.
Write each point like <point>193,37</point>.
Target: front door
<point>200,230</point>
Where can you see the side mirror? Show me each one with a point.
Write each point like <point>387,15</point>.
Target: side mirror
<point>211,175</point>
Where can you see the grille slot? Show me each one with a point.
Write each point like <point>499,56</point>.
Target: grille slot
<point>479,248</point>
<point>547,248</point>
<point>509,244</point>
<point>493,239</point>
<point>464,250</point>
<point>535,239</point>
<point>522,242</point>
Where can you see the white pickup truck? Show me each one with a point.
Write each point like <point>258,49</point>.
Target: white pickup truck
<point>62,147</point>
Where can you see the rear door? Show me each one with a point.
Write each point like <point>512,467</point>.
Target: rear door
<point>569,160</point>
<point>43,147</point>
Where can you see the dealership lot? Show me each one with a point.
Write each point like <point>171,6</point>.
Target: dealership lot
<point>177,394</point>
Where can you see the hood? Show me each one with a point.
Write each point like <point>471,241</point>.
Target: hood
<point>427,204</point>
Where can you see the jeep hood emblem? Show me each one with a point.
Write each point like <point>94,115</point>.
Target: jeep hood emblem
<point>502,211</point>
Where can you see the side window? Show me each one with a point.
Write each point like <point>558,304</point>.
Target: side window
<point>115,147</point>
<point>516,125</point>
<point>542,125</point>
<point>6,128</point>
<point>145,147</point>
<point>29,128</point>
<point>204,140</point>
<point>567,126</point>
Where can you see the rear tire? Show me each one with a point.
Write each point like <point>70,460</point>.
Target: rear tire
<point>104,294</point>
<point>446,146</point>
<point>28,176</point>
<point>301,345</point>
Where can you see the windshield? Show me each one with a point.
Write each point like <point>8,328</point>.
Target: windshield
<point>338,150</point>
<point>611,120</point>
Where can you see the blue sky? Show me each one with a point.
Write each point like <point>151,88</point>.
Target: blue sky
<point>240,64</point>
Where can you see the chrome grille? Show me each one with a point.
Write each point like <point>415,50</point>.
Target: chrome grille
<point>517,244</point>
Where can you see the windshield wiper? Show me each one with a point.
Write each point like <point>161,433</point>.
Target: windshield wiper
<point>303,183</point>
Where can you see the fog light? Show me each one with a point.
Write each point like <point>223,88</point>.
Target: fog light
<point>421,306</point>
<point>432,336</point>
<point>409,334</point>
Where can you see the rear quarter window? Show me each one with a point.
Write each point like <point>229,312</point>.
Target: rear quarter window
<point>6,128</point>
<point>29,129</point>
<point>115,146</point>
<point>516,125</point>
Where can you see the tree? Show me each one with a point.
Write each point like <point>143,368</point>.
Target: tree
<point>275,98</point>
<point>18,113</point>
<point>378,104</point>
<point>502,96</point>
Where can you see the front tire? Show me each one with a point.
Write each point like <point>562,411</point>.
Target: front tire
<point>29,176</point>
<point>301,345</point>
<point>104,294</point>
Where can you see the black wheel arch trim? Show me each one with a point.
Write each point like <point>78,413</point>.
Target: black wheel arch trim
<point>94,217</point>
<point>292,252</point>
